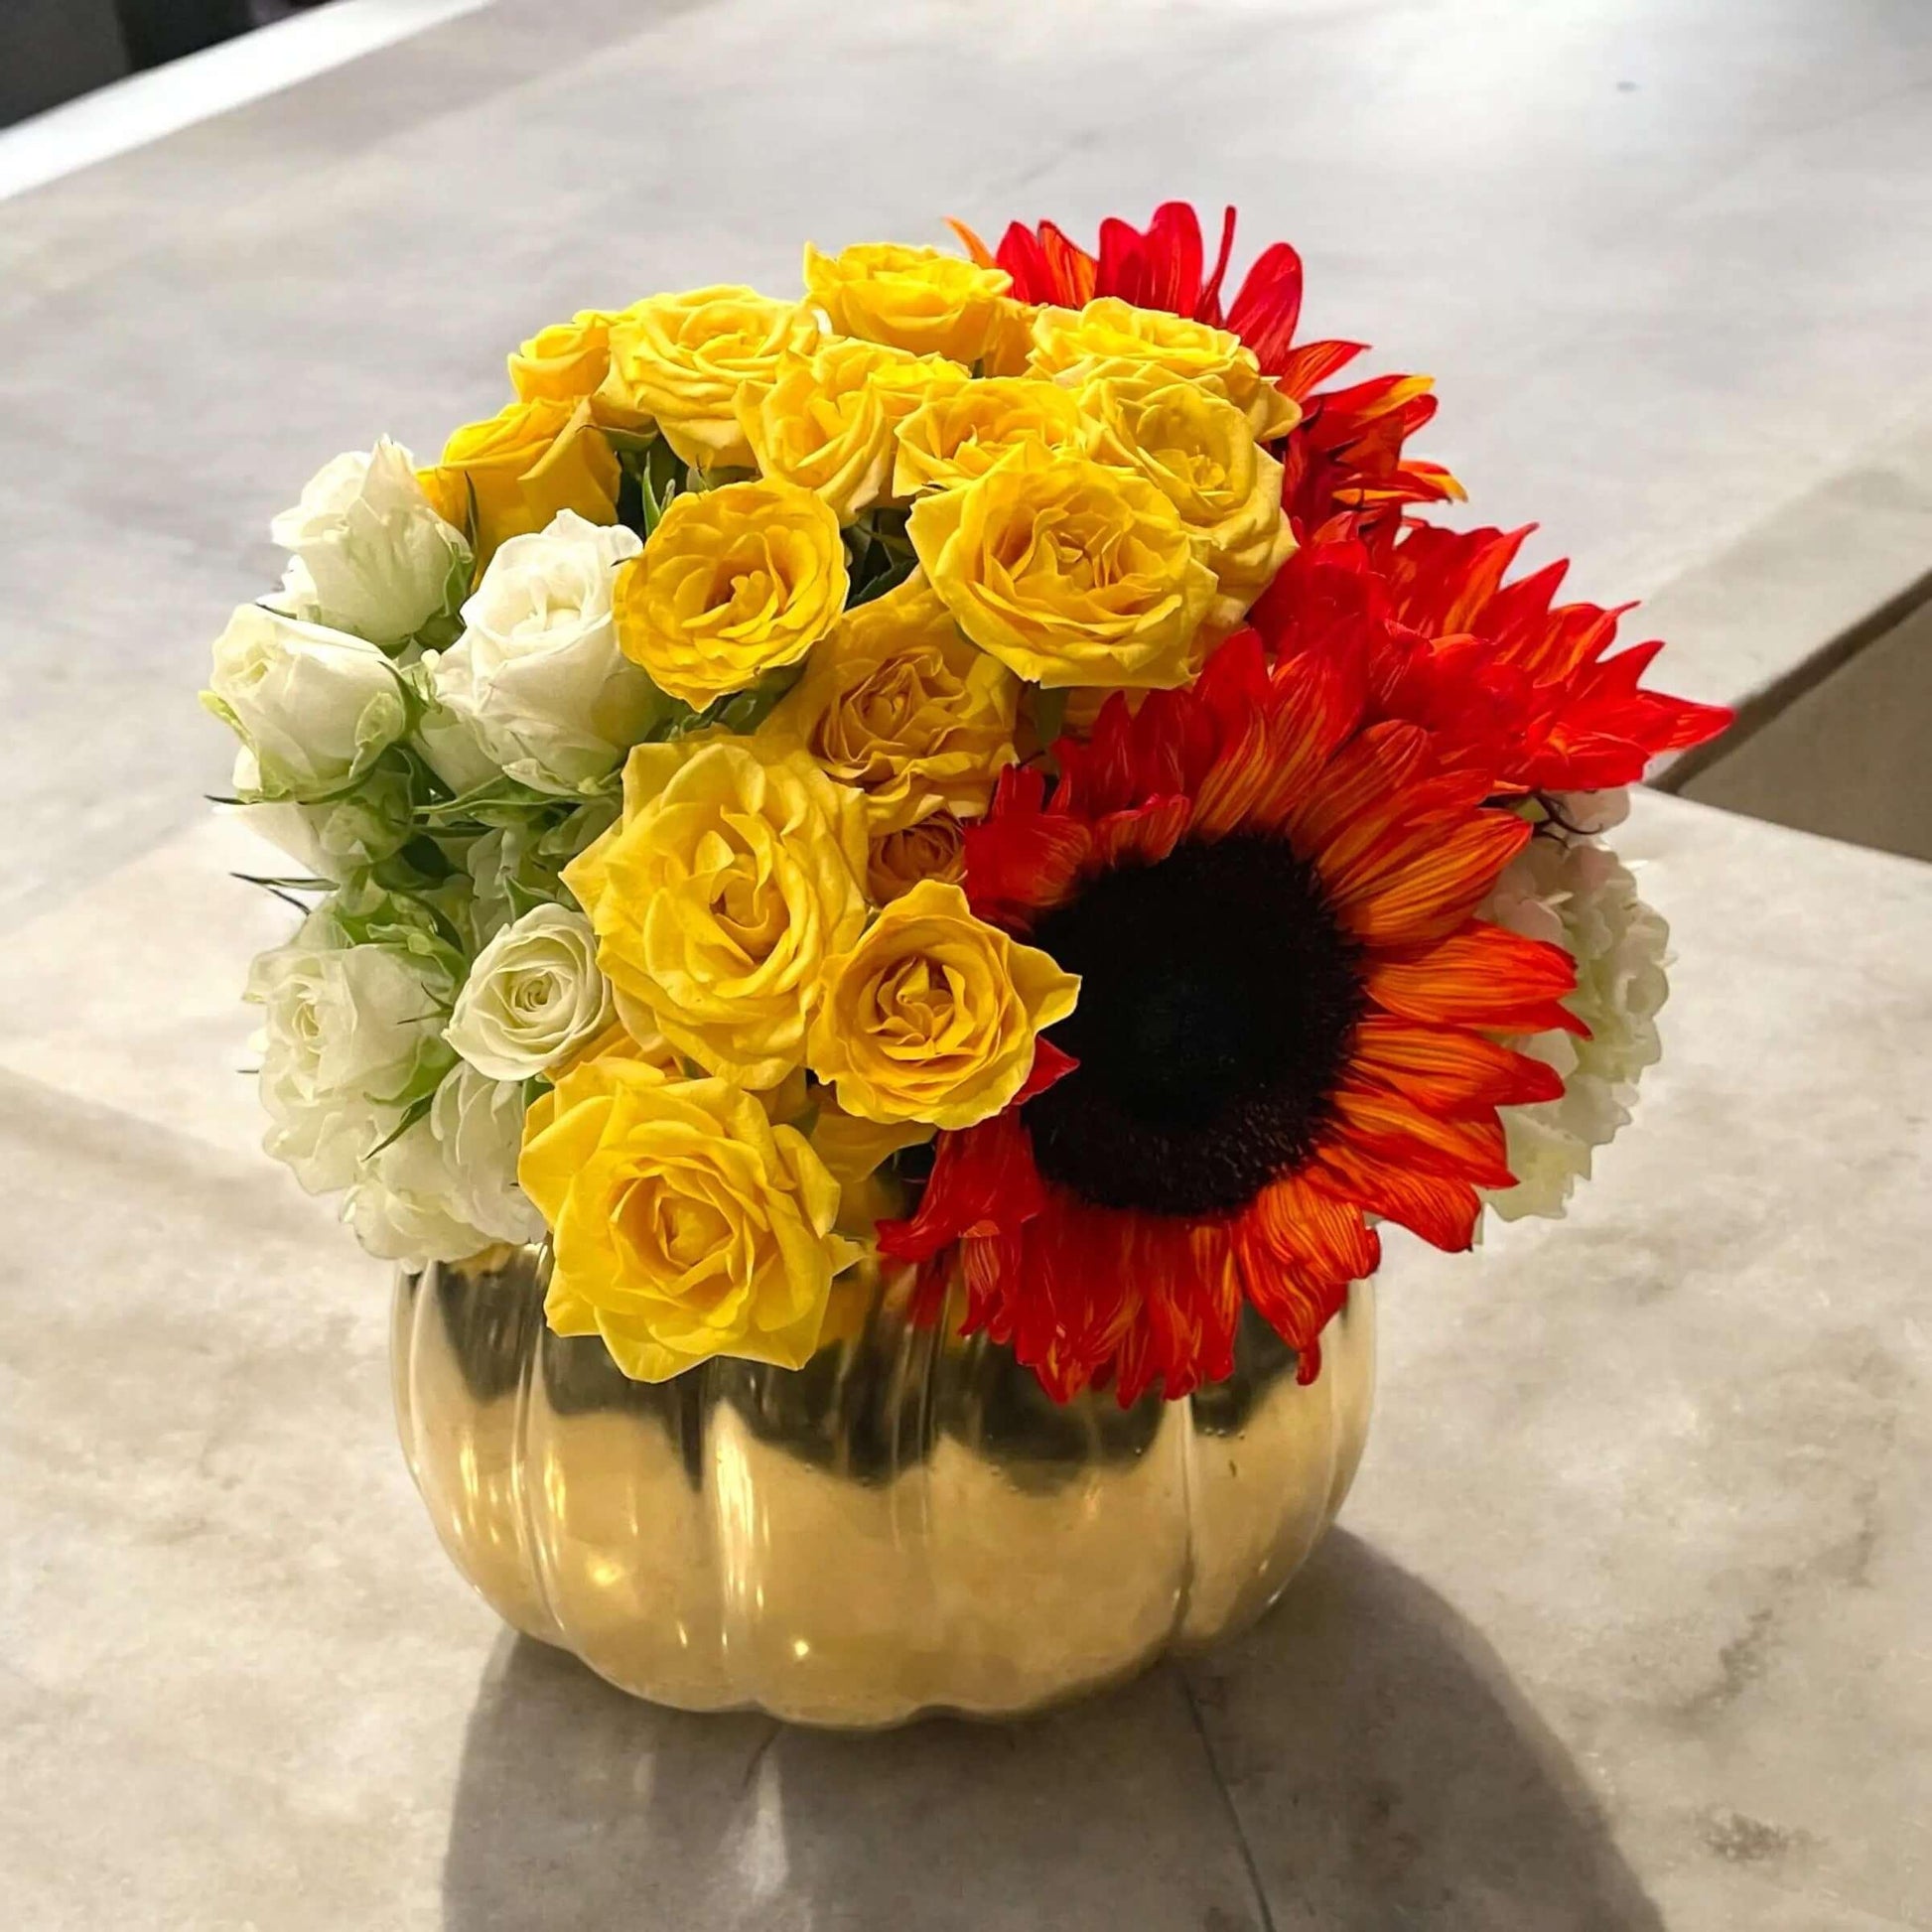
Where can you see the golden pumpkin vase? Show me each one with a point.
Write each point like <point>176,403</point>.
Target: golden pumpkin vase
<point>907,1524</point>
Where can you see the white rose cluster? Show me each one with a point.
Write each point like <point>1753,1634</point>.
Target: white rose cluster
<point>1576,892</point>
<point>441,973</point>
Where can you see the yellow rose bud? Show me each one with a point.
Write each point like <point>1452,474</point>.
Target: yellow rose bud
<point>1112,338</point>
<point>678,362</point>
<point>957,435</point>
<point>685,1225</point>
<point>566,360</point>
<point>825,421</point>
<point>1196,449</point>
<point>733,874</point>
<point>932,1015</point>
<point>519,468</point>
<point>731,583</point>
<point>1068,571</point>
<point>909,298</point>
<point>934,848</point>
<point>898,704</point>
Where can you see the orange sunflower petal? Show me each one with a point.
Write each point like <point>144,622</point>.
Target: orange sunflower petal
<point>1441,1211</point>
<point>1395,1127</point>
<point>1448,1070</point>
<point>1427,894</point>
<point>1479,976</point>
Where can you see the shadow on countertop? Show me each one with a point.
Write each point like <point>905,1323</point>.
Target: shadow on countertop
<point>1383,1770</point>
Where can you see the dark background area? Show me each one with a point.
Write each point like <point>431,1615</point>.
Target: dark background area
<point>52,50</point>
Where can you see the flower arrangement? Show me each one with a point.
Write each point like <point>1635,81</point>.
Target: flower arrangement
<point>985,763</point>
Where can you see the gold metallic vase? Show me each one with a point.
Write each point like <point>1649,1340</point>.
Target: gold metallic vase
<point>907,1524</point>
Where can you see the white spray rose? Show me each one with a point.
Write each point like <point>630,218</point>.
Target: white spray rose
<point>1578,894</point>
<point>537,673</point>
<point>323,1143</point>
<point>351,1035</point>
<point>449,742</point>
<point>533,997</point>
<point>338,835</point>
<point>447,1187</point>
<point>370,555</point>
<point>518,865</point>
<point>316,707</point>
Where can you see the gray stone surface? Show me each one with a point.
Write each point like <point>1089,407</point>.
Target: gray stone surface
<point>1846,758</point>
<point>1670,261</point>
<point>1623,1627</point>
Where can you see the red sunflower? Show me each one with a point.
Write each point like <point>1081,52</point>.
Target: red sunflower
<point>1505,676</point>
<point>1282,1030</point>
<point>1346,453</point>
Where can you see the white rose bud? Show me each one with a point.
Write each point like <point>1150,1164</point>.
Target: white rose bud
<point>344,1023</point>
<point>537,673</point>
<point>316,707</point>
<point>533,997</point>
<point>447,1187</point>
<point>449,742</point>
<point>370,554</point>
<point>337,837</point>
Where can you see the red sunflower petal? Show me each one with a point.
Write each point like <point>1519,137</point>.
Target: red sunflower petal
<point>1362,777</point>
<point>1446,1069</point>
<point>983,1181</point>
<point>1393,1126</point>
<point>1427,894</point>
<point>1480,975</point>
<point>1442,1211</point>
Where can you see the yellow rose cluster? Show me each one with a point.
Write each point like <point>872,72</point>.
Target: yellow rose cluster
<point>872,523</point>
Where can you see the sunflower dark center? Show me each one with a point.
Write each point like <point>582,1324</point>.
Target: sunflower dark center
<point>1218,997</point>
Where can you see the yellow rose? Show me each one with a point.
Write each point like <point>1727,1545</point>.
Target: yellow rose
<point>678,360</point>
<point>909,298</point>
<point>825,420</point>
<point>898,704</point>
<point>519,468</point>
<point>1196,449</point>
<point>932,1015</point>
<point>1010,341</point>
<point>731,583</point>
<point>1068,571</point>
<point>934,848</point>
<point>957,435</point>
<point>1112,338</point>
<point>566,360</point>
<point>854,1150</point>
<point>733,876</point>
<point>685,1225</point>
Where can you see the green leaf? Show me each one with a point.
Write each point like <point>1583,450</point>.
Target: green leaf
<point>659,479</point>
<point>417,1110</point>
<point>1049,713</point>
<point>301,883</point>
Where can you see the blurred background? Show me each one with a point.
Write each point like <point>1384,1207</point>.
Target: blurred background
<point>57,49</point>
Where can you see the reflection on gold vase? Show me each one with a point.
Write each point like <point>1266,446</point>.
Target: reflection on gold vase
<point>907,1524</point>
